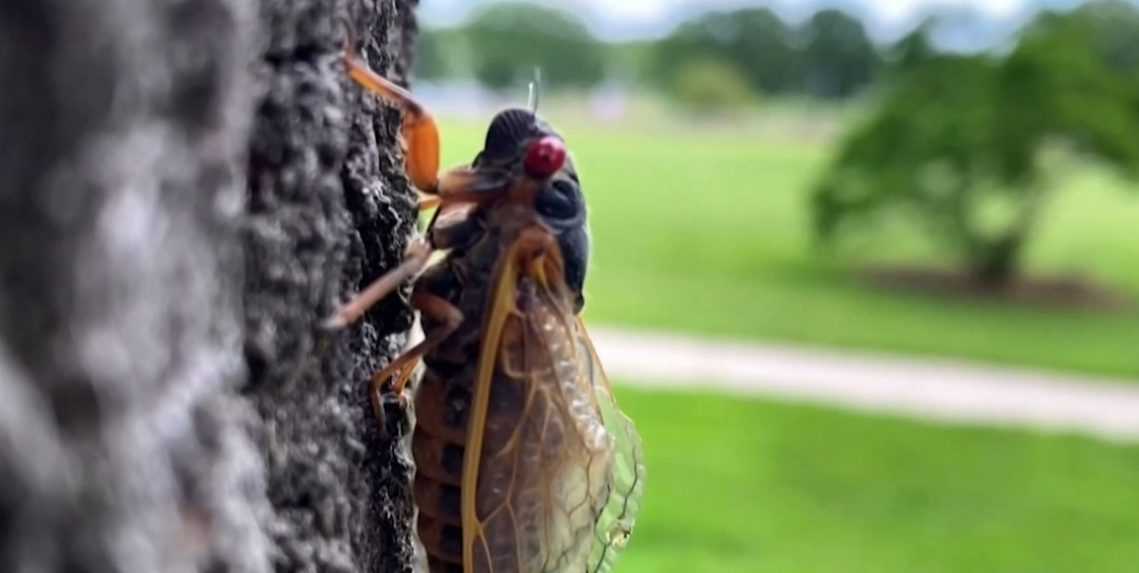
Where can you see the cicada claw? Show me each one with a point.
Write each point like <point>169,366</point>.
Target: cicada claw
<point>391,399</point>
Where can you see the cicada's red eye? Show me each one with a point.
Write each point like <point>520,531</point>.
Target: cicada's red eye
<point>545,157</point>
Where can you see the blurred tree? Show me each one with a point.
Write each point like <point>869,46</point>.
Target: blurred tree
<point>914,49</point>
<point>754,40</point>
<point>507,41</point>
<point>958,144</point>
<point>709,85</point>
<point>1114,28</point>
<point>430,56</point>
<point>838,58</point>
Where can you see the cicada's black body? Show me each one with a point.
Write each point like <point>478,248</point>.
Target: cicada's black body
<point>443,399</point>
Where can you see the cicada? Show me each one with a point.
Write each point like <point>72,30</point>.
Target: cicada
<point>524,462</point>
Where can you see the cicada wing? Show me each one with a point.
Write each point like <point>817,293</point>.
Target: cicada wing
<point>627,477</point>
<point>556,459</point>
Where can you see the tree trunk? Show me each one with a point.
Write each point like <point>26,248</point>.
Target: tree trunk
<point>994,265</point>
<point>186,189</point>
<point>995,260</point>
<point>330,210</point>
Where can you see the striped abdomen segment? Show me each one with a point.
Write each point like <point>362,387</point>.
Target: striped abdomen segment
<point>439,447</point>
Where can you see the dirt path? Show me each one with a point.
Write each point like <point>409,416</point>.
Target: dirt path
<point>930,389</point>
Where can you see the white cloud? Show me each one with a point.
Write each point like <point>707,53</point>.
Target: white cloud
<point>633,9</point>
<point>896,11</point>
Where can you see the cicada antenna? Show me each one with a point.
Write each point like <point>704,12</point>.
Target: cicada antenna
<point>536,90</point>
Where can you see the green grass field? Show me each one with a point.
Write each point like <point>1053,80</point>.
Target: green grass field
<point>707,230</point>
<point>749,486</point>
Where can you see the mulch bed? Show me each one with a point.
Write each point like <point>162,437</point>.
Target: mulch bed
<point>1053,292</point>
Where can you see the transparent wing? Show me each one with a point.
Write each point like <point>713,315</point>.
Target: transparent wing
<point>627,479</point>
<point>560,472</point>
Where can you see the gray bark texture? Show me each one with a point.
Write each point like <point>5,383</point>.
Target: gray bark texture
<point>187,187</point>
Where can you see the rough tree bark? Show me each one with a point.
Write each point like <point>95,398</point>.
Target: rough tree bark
<point>186,188</point>
<point>330,210</point>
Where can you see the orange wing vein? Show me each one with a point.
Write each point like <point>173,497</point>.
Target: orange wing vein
<point>553,473</point>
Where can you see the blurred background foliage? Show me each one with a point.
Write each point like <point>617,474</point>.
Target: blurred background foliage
<point>828,55</point>
<point>959,144</point>
<point>509,40</point>
<point>959,140</point>
<point>502,43</point>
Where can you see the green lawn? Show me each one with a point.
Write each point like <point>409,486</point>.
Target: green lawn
<point>706,230</point>
<point>736,485</point>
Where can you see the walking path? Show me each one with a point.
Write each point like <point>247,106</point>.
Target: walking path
<point>931,389</point>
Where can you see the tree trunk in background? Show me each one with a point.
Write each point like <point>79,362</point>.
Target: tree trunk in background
<point>177,176</point>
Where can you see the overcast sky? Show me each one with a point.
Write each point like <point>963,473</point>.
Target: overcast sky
<point>982,20</point>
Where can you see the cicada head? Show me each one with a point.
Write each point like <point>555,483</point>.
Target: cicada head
<point>520,142</point>
<point>509,133</point>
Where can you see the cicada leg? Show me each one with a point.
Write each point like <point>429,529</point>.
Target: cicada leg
<point>392,380</point>
<point>428,202</point>
<point>419,130</point>
<point>417,256</point>
<point>420,136</point>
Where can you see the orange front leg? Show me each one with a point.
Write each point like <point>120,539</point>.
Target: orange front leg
<point>420,133</point>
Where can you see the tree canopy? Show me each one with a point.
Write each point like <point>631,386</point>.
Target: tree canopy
<point>838,58</point>
<point>958,142</point>
<point>507,41</point>
<point>1113,26</point>
<point>430,55</point>
<point>829,56</point>
<point>753,40</point>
